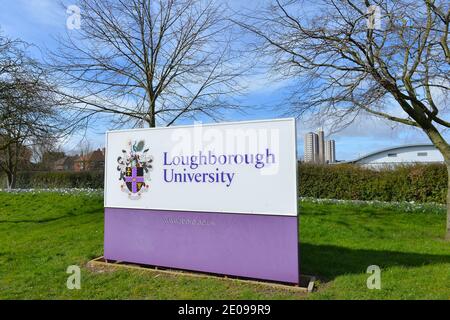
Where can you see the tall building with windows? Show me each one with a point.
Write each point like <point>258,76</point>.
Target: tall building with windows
<point>311,147</point>
<point>319,150</point>
<point>330,151</point>
<point>321,145</point>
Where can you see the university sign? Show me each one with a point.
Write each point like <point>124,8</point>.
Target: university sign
<point>217,198</point>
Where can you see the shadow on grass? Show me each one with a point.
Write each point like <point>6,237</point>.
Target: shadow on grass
<point>328,261</point>
<point>35,220</point>
<point>68,214</point>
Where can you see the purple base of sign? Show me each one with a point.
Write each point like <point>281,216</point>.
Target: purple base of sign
<point>245,245</point>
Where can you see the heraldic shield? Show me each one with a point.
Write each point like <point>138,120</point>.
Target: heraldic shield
<point>134,178</point>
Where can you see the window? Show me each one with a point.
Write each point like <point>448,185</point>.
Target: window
<point>422,154</point>
<point>392,155</point>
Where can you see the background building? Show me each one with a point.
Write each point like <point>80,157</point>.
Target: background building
<point>330,151</point>
<point>407,154</point>
<point>317,150</point>
<point>311,147</point>
<point>92,161</point>
<point>321,151</point>
<point>64,164</point>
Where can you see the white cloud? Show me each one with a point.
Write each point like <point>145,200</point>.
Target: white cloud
<point>263,83</point>
<point>45,12</point>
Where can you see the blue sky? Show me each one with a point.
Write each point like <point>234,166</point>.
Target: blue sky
<point>38,21</point>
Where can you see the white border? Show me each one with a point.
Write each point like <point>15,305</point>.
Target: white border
<point>206,124</point>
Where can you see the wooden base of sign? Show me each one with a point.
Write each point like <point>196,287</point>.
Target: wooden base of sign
<point>306,282</point>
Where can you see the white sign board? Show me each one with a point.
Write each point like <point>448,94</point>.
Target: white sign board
<point>240,167</point>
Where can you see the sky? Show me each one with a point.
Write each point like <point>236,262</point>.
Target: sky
<point>39,21</point>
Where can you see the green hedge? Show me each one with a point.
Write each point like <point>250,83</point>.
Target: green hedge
<point>87,179</point>
<point>419,183</point>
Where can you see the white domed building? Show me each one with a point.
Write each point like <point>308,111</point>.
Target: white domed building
<point>407,154</point>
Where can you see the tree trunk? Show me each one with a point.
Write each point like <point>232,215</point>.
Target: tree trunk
<point>447,164</point>
<point>151,116</point>
<point>11,180</point>
<point>447,234</point>
<point>10,168</point>
<point>152,122</point>
<point>442,145</point>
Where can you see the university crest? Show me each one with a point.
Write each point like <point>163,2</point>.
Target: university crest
<point>134,167</point>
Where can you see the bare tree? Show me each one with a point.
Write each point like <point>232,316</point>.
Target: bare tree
<point>28,107</point>
<point>346,63</point>
<point>45,151</point>
<point>150,61</point>
<point>84,150</point>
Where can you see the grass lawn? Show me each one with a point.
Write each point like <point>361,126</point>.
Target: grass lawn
<point>42,234</point>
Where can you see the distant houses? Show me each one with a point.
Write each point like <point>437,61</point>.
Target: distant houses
<point>64,164</point>
<point>91,161</point>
